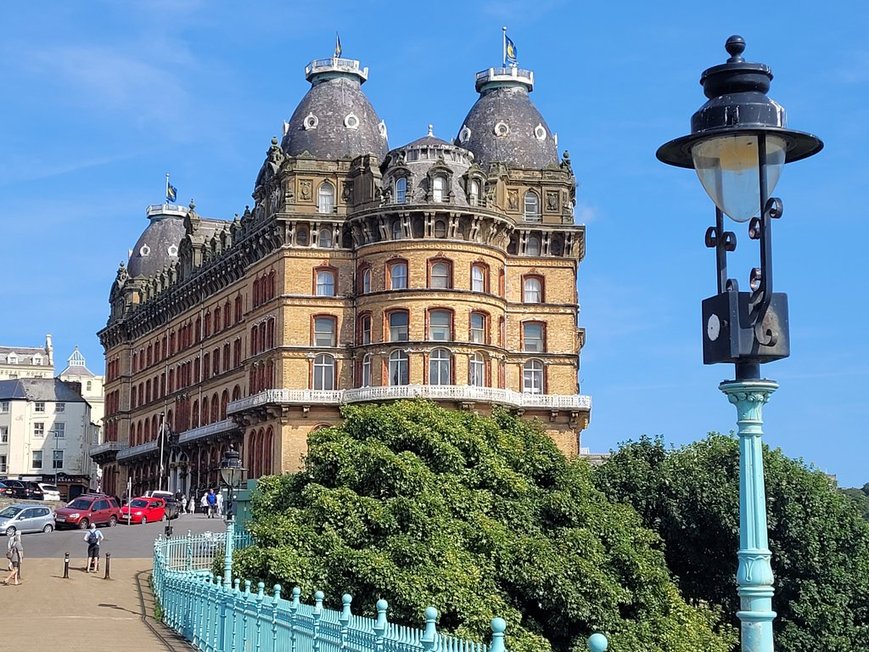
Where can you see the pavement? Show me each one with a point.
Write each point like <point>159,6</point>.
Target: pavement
<point>88,611</point>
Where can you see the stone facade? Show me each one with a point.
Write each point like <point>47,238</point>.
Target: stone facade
<point>27,361</point>
<point>430,271</point>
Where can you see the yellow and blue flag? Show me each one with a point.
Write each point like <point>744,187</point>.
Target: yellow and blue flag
<point>338,49</point>
<point>510,51</point>
<point>171,192</point>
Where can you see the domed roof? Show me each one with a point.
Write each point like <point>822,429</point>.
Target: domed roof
<point>157,247</point>
<point>335,120</point>
<point>428,140</point>
<point>504,125</point>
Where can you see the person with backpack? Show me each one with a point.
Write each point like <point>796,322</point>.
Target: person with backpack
<point>93,537</point>
<point>14,554</point>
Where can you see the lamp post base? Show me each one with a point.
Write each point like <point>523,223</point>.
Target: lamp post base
<point>227,551</point>
<point>754,577</point>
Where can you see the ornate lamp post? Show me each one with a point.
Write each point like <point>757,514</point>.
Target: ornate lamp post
<point>231,473</point>
<point>738,145</point>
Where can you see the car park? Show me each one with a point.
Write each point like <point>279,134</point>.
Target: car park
<point>89,508</point>
<point>26,517</point>
<point>144,510</point>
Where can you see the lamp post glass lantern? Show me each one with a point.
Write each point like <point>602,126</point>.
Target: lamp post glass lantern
<point>738,146</point>
<point>231,473</point>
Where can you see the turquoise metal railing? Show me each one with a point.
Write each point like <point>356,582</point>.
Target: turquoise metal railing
<point>217,617</point>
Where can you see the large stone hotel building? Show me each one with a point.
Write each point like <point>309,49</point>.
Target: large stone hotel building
<point>442,270</point>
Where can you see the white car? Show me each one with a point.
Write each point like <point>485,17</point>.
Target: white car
<point>49,491</point>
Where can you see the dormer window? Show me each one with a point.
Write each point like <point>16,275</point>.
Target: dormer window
<point>532,207</point>
<point>474,192</point>
<point>401,190</point>
<point>439,189</point>
<point>326,198</point>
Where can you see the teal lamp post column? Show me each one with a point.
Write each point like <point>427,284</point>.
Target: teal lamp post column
<point>231,473</point>
<point>738,146</point>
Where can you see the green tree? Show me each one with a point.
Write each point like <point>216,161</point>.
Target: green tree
<point>860,498</point>
<point>480,517</point>
<point>819,544</point>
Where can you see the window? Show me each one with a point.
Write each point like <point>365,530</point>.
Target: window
<point>3,468</point>
<point>57,459</point>
<point>532,206</point>
<point>478,327</point>
<point>532,377</point>
<point>440,367</point>
<point>324,331</point>
<point>400,190</point>
<point>440,325</point>
<point>325,283</point>
<point>532,246</point>
<point>479,278</point>
<point>366,371</point>
<point>398,276</point>
<point>39,430</point>
<point>398,368</point>
<point>440,229</point>
<point>36,459</point>
<point>4,434</point>
<point>39,406</point>
<point>398,326</point>
<point>440,275</point>
<point>477,370</point>
<point>365,329</point>
<point>439,189</point>
<point>397,230</point>
<point>324,372</point>
<point>324,238</point>
<point>532,337</point>
<point>4,406</point>
<point>60,407</point>
<point>366,281</point>
<point>59,430</point>
<point>532,289</point>
<point>326,198</point>
<point>474,192</point>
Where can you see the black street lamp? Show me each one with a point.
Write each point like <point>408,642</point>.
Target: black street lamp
<point>738,146</point>
<point>231,472</point>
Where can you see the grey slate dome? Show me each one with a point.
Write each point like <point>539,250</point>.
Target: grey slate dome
<point>157,247</point>
<point>504,125</point>
<point>335,120</point>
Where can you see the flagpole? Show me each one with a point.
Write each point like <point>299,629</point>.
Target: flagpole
<point>504,46</point>
<point>166,194</point>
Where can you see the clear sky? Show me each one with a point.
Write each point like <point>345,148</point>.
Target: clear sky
<point>101,99</point>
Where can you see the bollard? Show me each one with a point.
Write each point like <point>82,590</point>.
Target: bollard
<point>108,565</point>
<point>66,565</point>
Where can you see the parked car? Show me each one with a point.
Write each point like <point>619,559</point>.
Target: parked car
<point>49,491</point>
<point>24,517</point>
<point>21,488</point>
<point>89,508</point>
<point>5,490</point>
<point>144,510</point>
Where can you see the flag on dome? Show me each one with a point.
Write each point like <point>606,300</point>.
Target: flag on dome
<point>171,191</point>
<point>337,45</point>
<point>510,51</point>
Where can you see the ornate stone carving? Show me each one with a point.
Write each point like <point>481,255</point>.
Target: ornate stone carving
<point>306,190</point>
<point>552,201</point>
<point>513,200</point>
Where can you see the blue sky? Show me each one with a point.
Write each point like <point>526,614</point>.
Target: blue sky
<point>101,99</point>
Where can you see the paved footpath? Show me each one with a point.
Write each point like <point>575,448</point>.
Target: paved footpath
<point>85,612</point>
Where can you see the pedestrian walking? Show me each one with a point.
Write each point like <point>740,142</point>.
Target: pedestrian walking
<point>191,505</point>
<point>93,537</point>
<point>9,542</point>
<point>203,503</point>
<point>183,501</point>
<point>14,553</point>
<point>211,500</point>
<point>220,503</point>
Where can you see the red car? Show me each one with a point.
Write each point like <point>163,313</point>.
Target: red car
<point>144,510</point>
<point>89,508</point>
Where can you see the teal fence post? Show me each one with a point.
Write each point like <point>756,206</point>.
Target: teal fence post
<point>380,625</point>
<point>276,598</point>
<point>260,595</point>
<point>344,618</point>
<point>233,597</point>
<point>597,643</point>
<point>206,598</point>
<point>499,626</point>
<point>189,551</point>
<point>318,613</point>
<point>294,609</point>
<point>244,607</point>
<point>214,600</point>
<point>429,634</point>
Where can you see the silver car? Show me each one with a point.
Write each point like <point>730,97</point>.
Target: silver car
<point>26,517</point>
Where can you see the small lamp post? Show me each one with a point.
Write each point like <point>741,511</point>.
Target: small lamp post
<point>231,473</point>
<point>738,146</point>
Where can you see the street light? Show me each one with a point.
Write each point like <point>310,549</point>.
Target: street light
<point>231,473</point>
<point>738,145</point>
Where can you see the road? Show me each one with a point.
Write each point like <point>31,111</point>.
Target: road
<point>123,541</point>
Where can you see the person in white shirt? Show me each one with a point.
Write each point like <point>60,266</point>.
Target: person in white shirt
<point>93,537</point>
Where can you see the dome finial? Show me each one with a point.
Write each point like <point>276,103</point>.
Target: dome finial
<point>431,130</point>
<point>735,46</point>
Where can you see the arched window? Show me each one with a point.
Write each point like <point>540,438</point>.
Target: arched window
<point>532,377</point>
<point>366,281</point>
<point>365,381</point>
<point>478,327</point>
<point>440,325</point>
<point>324,238</point>
<point>326,198</point>
<point>398,326</point>
<point>477,370</point>
<point>400,190</point>
<point>324,372</point>
<point>324,331</point>
<point>325,286</point>
<point>532,207</point>
<point>533,337</point>
<point>474,192</point>
<point>398,275</point>
<point>440,367</point>
<point>441,275</point>
<point>398,368</point>
<point>479,278</point>
<point>397,230</point>
<point>439,189</point>
<point>532,246</point>
<point>532,289</point>
<point>440,229</point>
<point>364,329</point>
